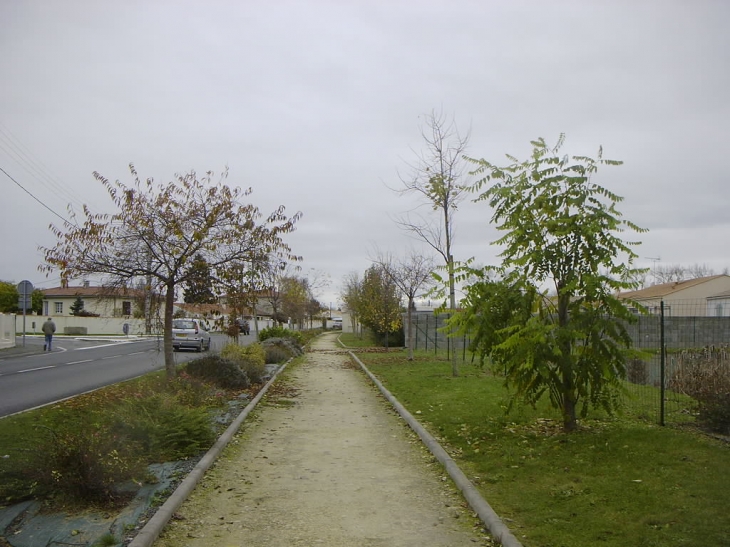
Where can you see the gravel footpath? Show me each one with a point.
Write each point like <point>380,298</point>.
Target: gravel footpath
<point>328,465</point>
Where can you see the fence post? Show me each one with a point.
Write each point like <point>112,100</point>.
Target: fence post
<point>416,321</point>
<point>449,342</point>
<point>662,361</point>
<point>426,332</point>
<point>435,334</point>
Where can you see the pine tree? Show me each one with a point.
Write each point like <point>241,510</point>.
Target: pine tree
<point>77,307</point>
<point>198,287</point>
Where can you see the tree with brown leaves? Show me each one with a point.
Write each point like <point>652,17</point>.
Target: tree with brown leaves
<point>159,229</point>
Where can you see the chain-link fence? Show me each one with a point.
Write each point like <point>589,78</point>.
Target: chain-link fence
<point>665,386</point>
<point>692,371</point>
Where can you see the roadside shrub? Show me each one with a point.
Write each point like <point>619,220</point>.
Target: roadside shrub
<point>221,371</point>
<point>194,392</point>
<point>279,350</point>
<point>636,372</point>
<point>84,462</point>
<point>281,332</point>
<point>276,354</point>
<point>308,335</point>
<point>162,428</point>
<point>250,359</point>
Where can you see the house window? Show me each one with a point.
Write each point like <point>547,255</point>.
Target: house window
<point>718,310</point>
<point>58,308</point>
<point>126,308</point>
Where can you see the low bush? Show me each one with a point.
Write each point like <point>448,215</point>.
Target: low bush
<point>222,372</point>
<point>281,332</point>
<point>193,392</point>
<point>279,350</point>
<point>276,354</point>
<point>636,372</point>
<point>163,428</point>
<point>250,359</point>
<point>706,378</point>
<point>84,460</point>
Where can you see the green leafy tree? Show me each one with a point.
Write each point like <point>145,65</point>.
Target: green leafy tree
<point>157,232</point>
<point>78,306</point>
<point>563,230</point>
<point>8,297</point>
<point>36,299</point>
<point>379,303</point>
<point>199,286</point>
<point>491,309</point>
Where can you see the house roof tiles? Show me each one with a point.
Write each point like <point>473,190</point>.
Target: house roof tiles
<point>91,292</point>
<point>666,289</point>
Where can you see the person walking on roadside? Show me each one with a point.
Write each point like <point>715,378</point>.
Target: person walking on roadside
<point>49,327</point>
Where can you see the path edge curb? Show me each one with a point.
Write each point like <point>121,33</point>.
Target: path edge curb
<point>151,531</point>
<point>488,516</point>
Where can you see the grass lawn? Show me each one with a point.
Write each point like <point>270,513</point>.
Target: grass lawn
<point>352,340</point>
<point>619,481</point>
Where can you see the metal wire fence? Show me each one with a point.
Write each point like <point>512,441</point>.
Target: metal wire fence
<point>663,386</point>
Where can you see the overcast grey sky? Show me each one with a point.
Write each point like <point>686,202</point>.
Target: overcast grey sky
<point>316,105</point>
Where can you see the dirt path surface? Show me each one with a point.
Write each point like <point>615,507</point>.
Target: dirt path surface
<point>330,466</point>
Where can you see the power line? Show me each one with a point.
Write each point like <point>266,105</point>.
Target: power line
<point>31,195</point>
<point>18,152</point>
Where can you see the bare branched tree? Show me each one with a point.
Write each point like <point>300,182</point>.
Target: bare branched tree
<point>437,175</point>
<point>670,273</point>
<point>412,274</point>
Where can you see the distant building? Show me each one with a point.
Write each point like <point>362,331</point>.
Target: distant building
<point>699,297</point>
<point>104,301</point>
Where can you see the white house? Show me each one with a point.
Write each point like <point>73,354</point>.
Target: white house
<point>719,305</point>
<point>688,298</point>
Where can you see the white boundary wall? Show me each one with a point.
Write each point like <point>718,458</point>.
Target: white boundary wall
<point>93,325</point>
<point>7,329</point>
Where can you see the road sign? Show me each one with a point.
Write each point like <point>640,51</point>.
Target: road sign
<point>25,287</point>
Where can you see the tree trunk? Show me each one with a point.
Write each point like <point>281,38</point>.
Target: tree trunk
<point>452,304</point>
<point>167,332</point>
<point>410,328</point>
<point>570,422</point>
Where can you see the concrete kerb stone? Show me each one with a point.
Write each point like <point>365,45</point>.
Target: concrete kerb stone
<point>488,516</point>
<point>151,531</point>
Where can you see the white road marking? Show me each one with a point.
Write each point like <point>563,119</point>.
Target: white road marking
<point>34,369</point>
<point>77,362</point>
<point>103,345</point>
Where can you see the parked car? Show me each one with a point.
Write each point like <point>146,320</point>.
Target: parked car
<point>337,323</point>
<point>190,333</point>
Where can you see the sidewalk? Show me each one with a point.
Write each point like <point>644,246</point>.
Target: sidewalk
<point>329,465</point>
<point>33,345</point>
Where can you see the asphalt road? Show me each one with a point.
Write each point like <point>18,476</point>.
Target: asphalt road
<point>33,378</point>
